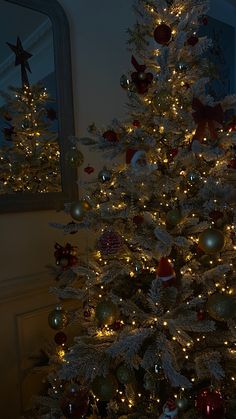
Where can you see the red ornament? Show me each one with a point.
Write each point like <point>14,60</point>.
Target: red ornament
<point>193,40</point>
<point>210,404</point>
<point>166,273</point>
<point>110,243</point>
<point>65,256</point>
<point>173,153</point>
<point>75,402</point>
<point>111,136</point>
<point>117,325</point>
<point>136,123</point>
<point>216,215</point>
<point>162,34</point>
<point>89,170</point>
<point>138,220</point>
<point>232,164</point>
<point>60,338</point>
<point>201,314</point>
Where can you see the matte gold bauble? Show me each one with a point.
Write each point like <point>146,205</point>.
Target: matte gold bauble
<point>106,312</point>
<point>58,319</point>
<point>221,307</point>
<point>78,209</point>
<point>173,217</point>
<point>104,387</point>
<point>211,241</point>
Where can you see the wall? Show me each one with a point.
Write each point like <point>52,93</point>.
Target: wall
<point>99,57</point>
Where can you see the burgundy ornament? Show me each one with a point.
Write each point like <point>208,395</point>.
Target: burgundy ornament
<point>110,243</point>
<point>89,170</point>
<point>232,163</point>
<point>216,215</point>
<point>162,34</point>
<point>75,403</point>
<point>60,338</point>
<point>136,123</point>
<point>173,153</point>
<point>65,256</point>
<point>193,40</point>
<point>111,136</point>
<point>205,20</point>
<point>138,220</point>
<point>210,404</point>
<point>201,314</point>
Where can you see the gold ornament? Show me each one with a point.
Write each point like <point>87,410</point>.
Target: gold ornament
<point>74,157</point>
<point>162,101</point>
<point>106,312</point>
<point>211,241</point>
<point>221,307</point>
<point>58,319</point>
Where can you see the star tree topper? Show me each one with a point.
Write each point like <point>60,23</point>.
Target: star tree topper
<point>22,58</point>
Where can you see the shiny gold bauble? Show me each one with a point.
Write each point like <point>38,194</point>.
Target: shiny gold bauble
<point>58,318</point>
<point>211,241</point>
<point>104,388</point>
<point>221,307</point>
<point>78,209</point>
<point>173,217</point>
<point>106,312</point>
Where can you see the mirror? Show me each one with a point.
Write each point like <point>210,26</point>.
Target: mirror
<point>36,107</point>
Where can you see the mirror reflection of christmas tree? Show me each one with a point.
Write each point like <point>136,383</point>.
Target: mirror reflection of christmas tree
<point>29,154</point>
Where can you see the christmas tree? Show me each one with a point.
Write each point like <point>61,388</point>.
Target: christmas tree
<point>29,155</point>
<point>156,297</point>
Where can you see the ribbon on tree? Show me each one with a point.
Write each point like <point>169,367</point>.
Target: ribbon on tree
<point>139,67</point>
<point>205,117</point>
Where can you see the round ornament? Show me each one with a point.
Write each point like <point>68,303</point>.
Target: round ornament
<point>106,312</point>
<point>124,82</point>
<point>193,40</point>
<point>74,157</point>
<point>104,387</point>
<point>58,319</point>
<point>111,136</point>
<point>173,217</point>
<point>124,374</point>
<point>110,243</point>
<point>104,175</point>
<point>181,66</point>
<point>211,241</point>
<point>221,307</point>
<point>75,402</point>
<point>162,34</point>
<point>78,209</point>
<point>193,177</point>
<point>60,338</point>
<point>182,403</point>
<point>210,404</point>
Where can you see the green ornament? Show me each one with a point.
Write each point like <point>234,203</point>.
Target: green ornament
<point>104,175</point>
<point>106,312</point>
<point>58,319</point>
<point>77,210</point>
<point>173,217</point>
<point>211,241</point>
<point>124,374</point>
<point>74,157</point>
<point>221,307</point>
<point>104,388</point>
